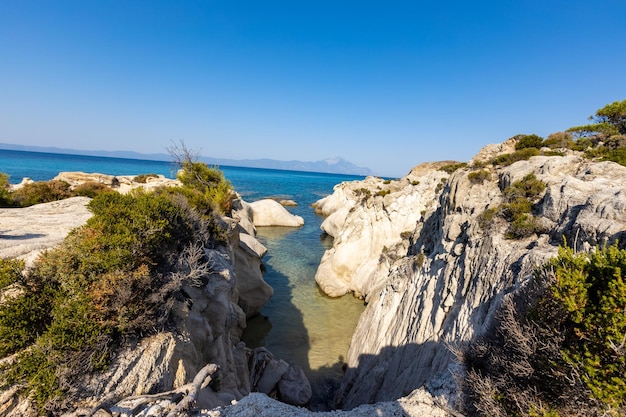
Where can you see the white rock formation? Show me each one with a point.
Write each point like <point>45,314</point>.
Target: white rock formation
<point>432,276</point>
<point>26,232</point>
<point>269,212</point>
<point>122,183</point>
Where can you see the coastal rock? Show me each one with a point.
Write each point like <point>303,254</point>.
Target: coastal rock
<point>269,212</point>
<point>369,221</point>
<point>288,203</point>
<point>432,276</point>
<point>209,323</point>
<point>253,291</point>
<point>122,183</point>
<point>26,232</point>
<point>272,376</point>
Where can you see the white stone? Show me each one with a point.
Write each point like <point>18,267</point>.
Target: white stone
<point>269,212</point>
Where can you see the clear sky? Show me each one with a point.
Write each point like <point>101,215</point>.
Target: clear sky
<point>384,84</point>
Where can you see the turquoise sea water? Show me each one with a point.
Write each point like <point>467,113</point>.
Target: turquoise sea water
<point>299,324</point>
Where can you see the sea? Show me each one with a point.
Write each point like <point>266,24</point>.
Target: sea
<point>299,324</point>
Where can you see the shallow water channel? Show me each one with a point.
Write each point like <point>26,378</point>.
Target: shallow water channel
<point>300,324</point>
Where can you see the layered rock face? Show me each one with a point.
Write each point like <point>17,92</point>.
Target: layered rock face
<point>432,275</point>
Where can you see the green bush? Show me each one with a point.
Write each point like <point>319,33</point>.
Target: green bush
<point>5,196</point>
<point>10,271</point>
<point>91,189</point>
<point>479,177</point>
<point>556,347</point>
<point>528,141</point>
<point>41,192</point>
<point>450,168</point>
<point>559,140</point>
<point>382,193</point>
<point>206,188</point>
<point>616,155</point>
<point>519,199</point>
<point>143,178</point>
<point>363,192</point>
<point>591,289</point>
<point>510,158</point>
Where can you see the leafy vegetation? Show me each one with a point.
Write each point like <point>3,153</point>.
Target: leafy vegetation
<point>450,168</point>
<point>517,209</point>
<point>206,188</point>
<point>479,177</point>
<point>382,193</point>
<point>41,192</point>
<point>559,140</point>
<point>529,141</point>
<point>557,347</point>
<point>143,178</point>
<point>510,158</point>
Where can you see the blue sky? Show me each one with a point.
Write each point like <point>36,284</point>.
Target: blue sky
<point>384,84</point>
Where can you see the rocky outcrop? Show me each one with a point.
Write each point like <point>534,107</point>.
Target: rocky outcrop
<point>432,275</point>
<point>26,232</point>
<point>122,183</point>
<point>269,212</point>
<point>208,325</point>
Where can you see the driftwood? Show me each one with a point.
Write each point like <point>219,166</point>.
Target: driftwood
<point>185,396</point>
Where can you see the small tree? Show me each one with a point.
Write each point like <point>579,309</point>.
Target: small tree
<point>610,120</point>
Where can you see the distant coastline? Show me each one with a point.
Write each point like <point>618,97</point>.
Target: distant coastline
<point>336,165</point>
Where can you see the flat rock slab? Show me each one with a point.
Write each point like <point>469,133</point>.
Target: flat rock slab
<point>26,232</point>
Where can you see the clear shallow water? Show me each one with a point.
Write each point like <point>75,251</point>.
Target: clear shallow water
<point>299,324</point>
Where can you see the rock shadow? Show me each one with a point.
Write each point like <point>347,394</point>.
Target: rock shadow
<point>24,236</point>
<point>287,342</point>
<point>396,372</point>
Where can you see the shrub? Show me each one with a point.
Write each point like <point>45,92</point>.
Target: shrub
<point>510,158</point>
<point>487,217</point>
<point>206,188</point>
<point>5,196</point>
<point>528,187</point>
<point>91,189</point>
<point>450,168</point>
<point>479,177</point>
<point>519,199</point>
<point>143,178</point>
<point>616,155</point>
<point>41,192</point>
<point>382,193</point>
<point>363,192</point>
<point>559,140</point>
<point>591,289</point>
<point>10,271</point>
<point>555,347</point>
<point>528,141</point>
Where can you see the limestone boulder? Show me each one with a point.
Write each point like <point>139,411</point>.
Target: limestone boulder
<point>272,376</point>
<point>269,212</point>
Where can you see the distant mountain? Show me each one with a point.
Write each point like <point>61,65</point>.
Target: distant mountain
<point>336,165</point>
<point>330,165</point>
